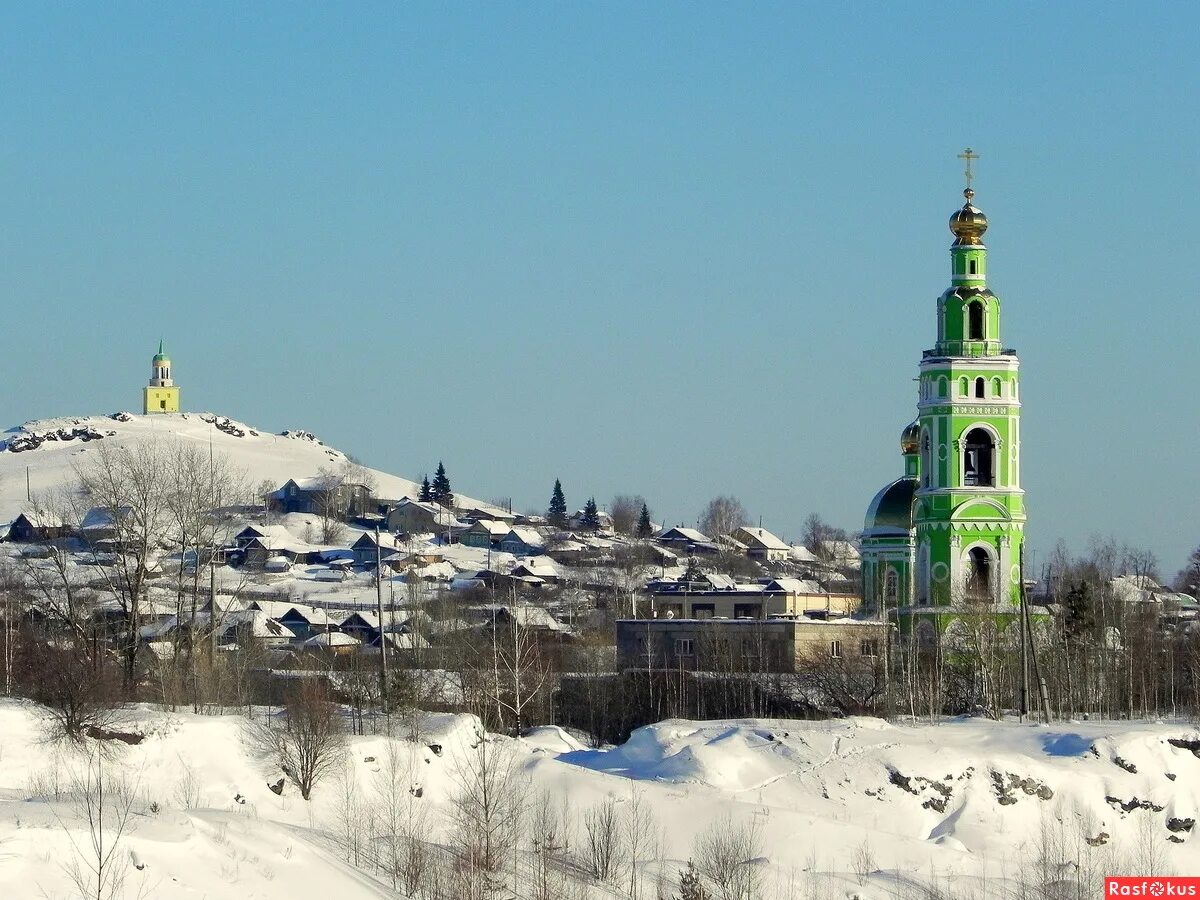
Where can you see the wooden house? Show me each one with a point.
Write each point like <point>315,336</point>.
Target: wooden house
<point>33,526</point>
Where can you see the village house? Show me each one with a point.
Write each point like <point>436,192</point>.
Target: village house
<point>328,495</point>
<point>742,645</point>
<point>369,547</point>
<point>305,621</point>
<point>414,517</point>
<point>720,597</point>
<point>37,525</point>
<point>686,541</point>
<point>539,569</point>
<point>256,544</point>
<point>472,514</point>
<point>486,534</point>
<point>761,545</point>
<point>522,541</point>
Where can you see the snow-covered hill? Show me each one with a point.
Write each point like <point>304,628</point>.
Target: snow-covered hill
<point>850,808</point>
<point>49,448</point>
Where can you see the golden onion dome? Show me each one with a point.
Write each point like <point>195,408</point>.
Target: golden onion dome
<point>910,438</point>
<point>969,223</point>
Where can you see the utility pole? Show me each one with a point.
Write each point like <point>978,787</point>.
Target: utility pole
<point>383,675</point>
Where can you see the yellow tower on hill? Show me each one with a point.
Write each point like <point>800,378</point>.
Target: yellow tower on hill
<point>162,394</point>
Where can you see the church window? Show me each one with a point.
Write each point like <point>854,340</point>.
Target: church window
<point>975,321</point>
<point>943,387</point>
<point>962,386</point>
<point>997,387</point>
<point>926,636</point>
<point>979,391</point>
<point>890,583</point>
<point>979,459</point>
<point>973,271</point>
<point>979,574</point>
<point>926,462</point>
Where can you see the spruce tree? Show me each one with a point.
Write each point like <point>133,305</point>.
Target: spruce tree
<point>644,528</point>
<point>591,516</point>
<point>426,495</point>
<point>556,514</point>
<point>690,885</point>
<point>440,491</point>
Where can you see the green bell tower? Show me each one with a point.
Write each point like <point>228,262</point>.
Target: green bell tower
<point>968,507</point>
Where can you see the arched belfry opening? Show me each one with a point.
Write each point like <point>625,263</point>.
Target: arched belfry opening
<point>979,459</point>
<point>978,574</point>
<point>975,321</point>
<point>980,391</point>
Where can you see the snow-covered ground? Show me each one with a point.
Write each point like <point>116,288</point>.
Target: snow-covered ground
<point>263,456</point>
<point>845,808</point>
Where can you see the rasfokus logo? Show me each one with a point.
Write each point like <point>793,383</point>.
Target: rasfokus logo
<point>1163,886</point>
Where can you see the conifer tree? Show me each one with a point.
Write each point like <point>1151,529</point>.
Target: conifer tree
<point>690,885</point>
<point>591,515</point>
<point>426,495</point>
<point>440,490</point>
<point>644,527</point>
<point>556,514</point>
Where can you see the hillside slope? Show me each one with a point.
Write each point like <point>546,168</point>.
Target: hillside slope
<point>46,450</point>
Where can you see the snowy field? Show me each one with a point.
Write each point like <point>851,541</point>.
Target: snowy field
<point>848,808</point>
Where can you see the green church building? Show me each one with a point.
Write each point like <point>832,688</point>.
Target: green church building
<point>948,535</point>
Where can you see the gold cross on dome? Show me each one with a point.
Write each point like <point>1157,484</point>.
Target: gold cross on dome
<point>969,155</point>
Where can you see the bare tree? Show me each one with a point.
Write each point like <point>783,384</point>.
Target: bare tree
<point>549,842</point>
<point>723,515</point>
<point>126,488</point>
<point>308,738</point>
<point>726,854</point>
<point>403,821</point>
<point>78,689</point>
<point>98,869</point>
<point>486,811</point>
<point>14,601</point>
<point>640,830</point>
<point>603,841</point>
<point>624,510</point>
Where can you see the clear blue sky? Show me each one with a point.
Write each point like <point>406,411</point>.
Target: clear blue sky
<point>673,249</point>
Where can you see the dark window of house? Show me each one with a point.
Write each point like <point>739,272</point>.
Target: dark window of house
<point>703,610</point>
<point>870,647</point>
<point>835,649</point>
<point>745,610</point>
<point>684,647</point>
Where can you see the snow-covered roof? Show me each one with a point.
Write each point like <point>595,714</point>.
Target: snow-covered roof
<point>278,609</point>
<point>492,526</point>
<point>687,534</point>
<point>538,566</point>
<point>525,535</point>
<point>840,549</point>
<point>760,538</point>
<point>793,586</point>
<point>332,639</point>
<point>526,615</point>
<point>386,541</point>
<point>41,518</point>
<point>800,553</point>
